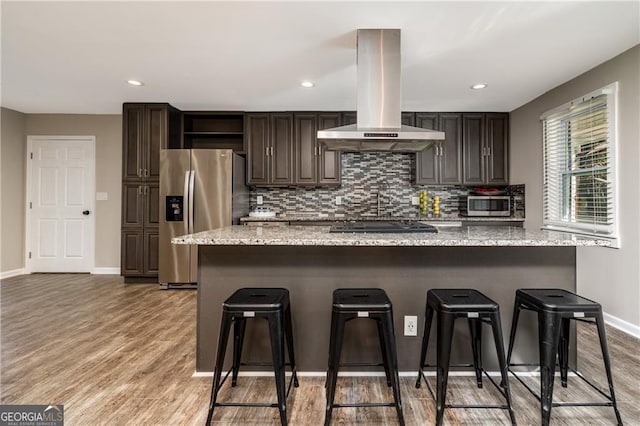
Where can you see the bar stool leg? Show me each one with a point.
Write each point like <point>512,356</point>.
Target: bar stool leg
<point>444,336</point>
<point>428,319</point>
<point>225,327</point>
<point>563,351</point>
<point>499,342</point>
<point>514,326</point>
<point>337,335</point>
<point>390,344</point>
<point>548,335</point>
<point>602,335</point>
<point>383,350</point>
<point>277,349</point>
<point>289,336</point>
<point>475,328</point>
<point>239,327</point>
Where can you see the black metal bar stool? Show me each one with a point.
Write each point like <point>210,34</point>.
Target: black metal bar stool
<point>273,305</point>
<point>449,305</point>
<point>371,303</point>
<point>555,308</point>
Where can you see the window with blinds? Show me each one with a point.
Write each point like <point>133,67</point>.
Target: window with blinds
<point>579,165</point>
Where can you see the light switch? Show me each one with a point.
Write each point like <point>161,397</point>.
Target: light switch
<point>338,200</point>
<point>259,199</point>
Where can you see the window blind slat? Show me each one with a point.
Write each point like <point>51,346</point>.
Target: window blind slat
<point>578,186</point>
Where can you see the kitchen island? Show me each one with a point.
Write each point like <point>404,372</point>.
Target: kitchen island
<point>311,262</point>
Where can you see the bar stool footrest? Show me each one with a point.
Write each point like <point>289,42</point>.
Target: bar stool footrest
<point>364,404</point>
<point>565,404</point>
<point>497,386</point>
<point>292,380</point>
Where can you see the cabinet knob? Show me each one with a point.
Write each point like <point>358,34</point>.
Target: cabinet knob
<point>86,212</point>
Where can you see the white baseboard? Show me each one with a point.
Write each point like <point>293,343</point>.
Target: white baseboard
<point>106,271</point>
<point>14,273</point>
<point>622,325</point>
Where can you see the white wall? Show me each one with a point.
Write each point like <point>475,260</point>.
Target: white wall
<point>609,276</point>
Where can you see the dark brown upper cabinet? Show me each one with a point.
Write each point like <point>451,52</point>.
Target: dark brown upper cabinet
<point>440,164</point>
<point>269,145</point>
<point>486,141</point>
<point>147,128</point>
<point>313,164</point>
<point>213,130</point>
<point>351,117</point>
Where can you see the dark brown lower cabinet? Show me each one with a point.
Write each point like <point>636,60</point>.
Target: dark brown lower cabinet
<point>150,253</point>
<point>139,253</point>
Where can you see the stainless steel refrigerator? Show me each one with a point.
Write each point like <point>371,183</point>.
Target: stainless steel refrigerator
<point>200,189</point>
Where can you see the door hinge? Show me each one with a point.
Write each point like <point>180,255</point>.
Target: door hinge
<point>30,205</point>
<point>31,155</point>
<point>29,255</point>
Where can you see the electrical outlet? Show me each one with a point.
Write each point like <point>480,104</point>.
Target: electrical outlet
<point>410,325</point>
<point>259,199</point>
<point>338,200</point>
<point>415,201</point>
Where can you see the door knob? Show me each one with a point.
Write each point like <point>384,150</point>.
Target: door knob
<point>86,212</point>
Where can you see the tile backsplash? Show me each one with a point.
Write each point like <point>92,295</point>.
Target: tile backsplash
<point>372,184</point>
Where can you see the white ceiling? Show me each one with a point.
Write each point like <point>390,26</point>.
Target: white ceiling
<point>75,57</point>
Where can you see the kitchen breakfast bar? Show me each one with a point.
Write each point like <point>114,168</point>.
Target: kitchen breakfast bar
<point>311,262</point>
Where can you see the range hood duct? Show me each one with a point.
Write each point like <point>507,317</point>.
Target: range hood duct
<point>379,125</point>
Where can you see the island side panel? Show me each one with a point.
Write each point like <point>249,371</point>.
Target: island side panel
<point>311,273</point>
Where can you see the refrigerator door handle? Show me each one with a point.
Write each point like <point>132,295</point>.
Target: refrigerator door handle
<point>186,202</point>
<point>192,179</point>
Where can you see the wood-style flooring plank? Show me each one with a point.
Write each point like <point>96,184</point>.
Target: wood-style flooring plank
<point>117,354</point>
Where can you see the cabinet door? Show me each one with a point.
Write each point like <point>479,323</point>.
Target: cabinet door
<point>281,148</point>
<point>151,196</point>
<point>305,148</point>
<point>132,251</point>
<point>132,204</point>
<point>156,128</point>
<point>349,117</point>
<point>497,143</point>
<point>408,119</point>
<point>330,162</point>
<point>133,134</point>
<point>150,252</point>
<point>450,158</point>
<point>427,160</point>
<point>473,128</point>
<point>257,142</point>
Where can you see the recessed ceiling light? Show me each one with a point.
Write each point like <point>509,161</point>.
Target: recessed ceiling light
<point>478,86</point>
<point>135,83</point>
<point>307,84</point>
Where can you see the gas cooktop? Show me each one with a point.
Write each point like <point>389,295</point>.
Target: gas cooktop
<point>384,227</point>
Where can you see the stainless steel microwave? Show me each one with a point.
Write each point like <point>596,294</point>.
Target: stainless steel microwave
<point>483,205</point>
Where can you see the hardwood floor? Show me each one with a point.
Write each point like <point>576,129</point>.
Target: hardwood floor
<point>121,354</point>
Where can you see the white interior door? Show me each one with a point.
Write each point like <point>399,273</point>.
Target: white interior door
<point>60,203</point>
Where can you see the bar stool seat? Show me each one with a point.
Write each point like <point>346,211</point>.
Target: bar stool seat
<point>555,309</point>
<point>449,305</point>
<point>273,305</point>
<point>368,303</point>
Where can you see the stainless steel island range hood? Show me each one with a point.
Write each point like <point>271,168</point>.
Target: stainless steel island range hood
<point>379,126</point>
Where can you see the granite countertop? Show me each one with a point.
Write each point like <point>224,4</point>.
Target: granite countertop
<point>332,217</point>
<point>320,236</point>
